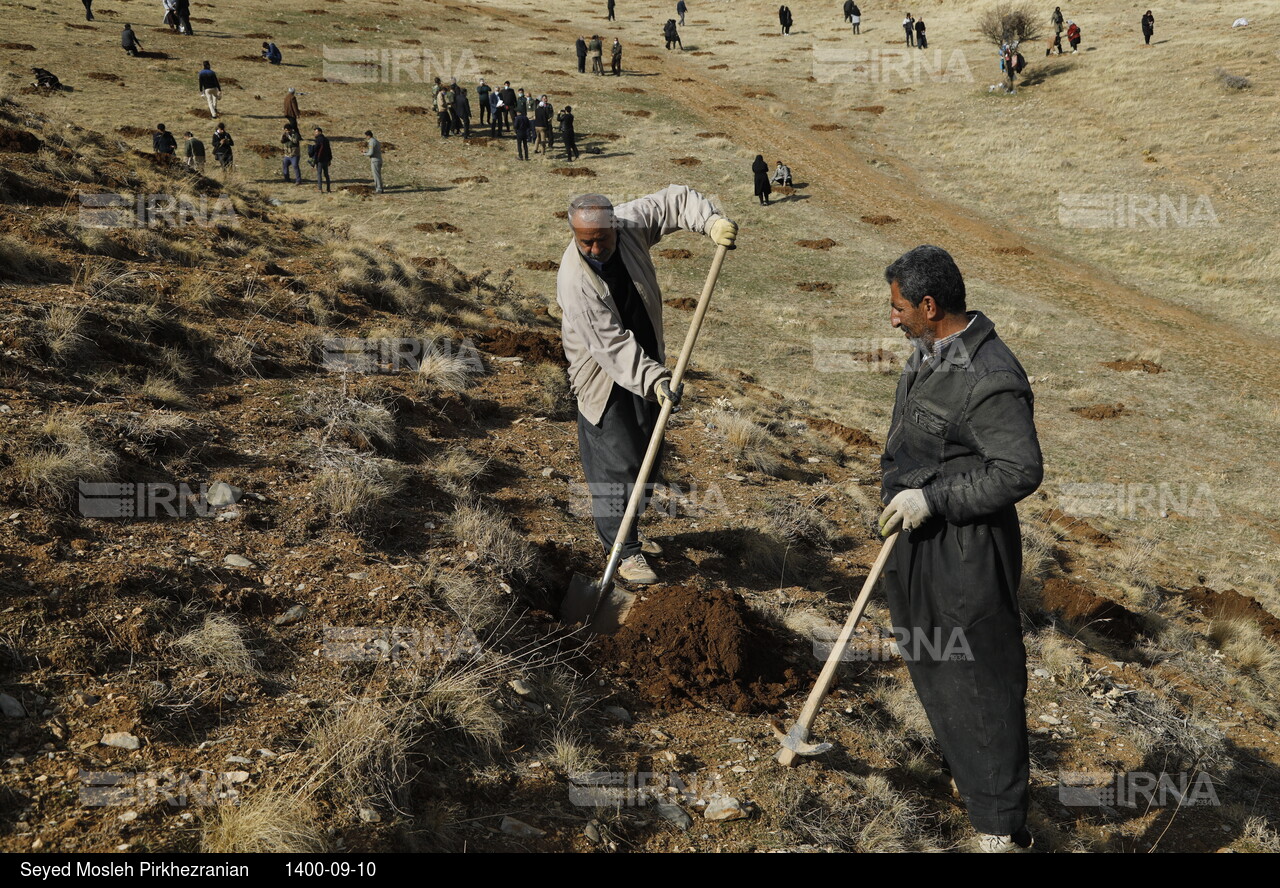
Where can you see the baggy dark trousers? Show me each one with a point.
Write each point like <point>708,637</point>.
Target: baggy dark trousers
<point>965,577</point>
<point>611,458</point>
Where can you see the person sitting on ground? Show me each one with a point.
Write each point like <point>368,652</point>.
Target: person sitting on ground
<point>272,53</point>
<point>782,175</point>
<point>46,79</point>
<point>163,142</point>
<point>129,41</point>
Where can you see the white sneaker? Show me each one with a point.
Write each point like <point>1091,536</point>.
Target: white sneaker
<point>649,547</point>
<point>636,570</point>
<point>1019,843</point>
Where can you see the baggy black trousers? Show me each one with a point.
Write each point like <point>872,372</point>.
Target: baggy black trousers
<point>952,593</point>
<point>611,456</point>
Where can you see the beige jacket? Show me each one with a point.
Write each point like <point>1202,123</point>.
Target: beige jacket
<point>599,349</point>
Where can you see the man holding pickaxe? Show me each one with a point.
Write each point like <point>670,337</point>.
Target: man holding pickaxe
<point>611,325</point>
<point>961,452</point>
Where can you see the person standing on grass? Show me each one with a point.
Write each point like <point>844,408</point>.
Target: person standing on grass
<point>855,18</point>
<point>760,171</point>
<point>291,112</point>
<point>373,151</point>
<point>291,155</point>
<point>524,132</point>
<point>580,50</point>
<point>210,88</point>
<point>129,41</point>
<point>681,9</point>
<point>611,4</point>
<point>565,119</point>
<point>909,25</point>
<point>611,330</point>
<point>507,106</point>
<point>88,10</point>
<point>960,453</point>
<point>171,17</point>
<point>615,57</point>
<point>322,156</point>
<point>444,111</point>
<point>542,116</point>
<point>183,10</point>
<point>222,145</point>
<point>596,48</point>
<point>482,98</point>
<point>462,111</point>
<point>1073,36</point>
<point>193,151</point>
<point>163,142</point>
<point>921,41</point>
<point>1148,27</point>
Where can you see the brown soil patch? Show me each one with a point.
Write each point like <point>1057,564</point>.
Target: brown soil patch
<point>79,27</point>
<point>780,60</point>
<point>412,41</point>
<point>825,244</point>
<point>533,347</point>
<point>263,151</point>
<point>712,135</point>
<point>758,94</point>
<point>20,47</point>
<point>1014,251</point>
<point>607,137</point>
<point>202,114</point>
<point>783,189</point>
<point>478,141</point>
<point>1230,604</point>
<point>879,220</point>
<point>871,109</point>
<point>675,254</point>
<point>133,132</point>
<point>1082,608</point>
<point>816,286</point>
<point>638,113</point>
<point>102,75</point>
<point>1077,529</point>
<point>1101,411</point>
<point>1125,366</point>
<point>436,226</point>
<point>650,58</point>
<point>726,108</point>
<point>258,35</point>
<point>901,90</point>
<point>575,172</point>
<point>852,437</point>
<point>684,303</point>
<point>362,190</point>
<point>413,109</point>
<point>562,214</point>
<point>464,180</point>
<point>717,67</point>
<point>633,90</point>
<point>542,265</point>
<point>18,140</point>
<point>688,645</point>
<point>295,46</point>
<point>703,52</point>
<point>825,127</point>
<point>727,42</point>
<point>686,161</point>
<point>556,72</point>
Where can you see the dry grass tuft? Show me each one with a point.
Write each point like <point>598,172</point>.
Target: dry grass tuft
<point>457,468</point>
<point>747,440</point>
<point>356,492</point>
<point>463,701</point>
<point>552,396</point>
<point>218,644</point>
<point>491,536</point>
<point>267,822</point>
<point>67,454</point>
<point>364,747</point>
<point>1243,641</point>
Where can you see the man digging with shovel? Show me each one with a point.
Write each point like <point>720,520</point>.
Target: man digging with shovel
<point>961,452</point>
<point>611,309</point>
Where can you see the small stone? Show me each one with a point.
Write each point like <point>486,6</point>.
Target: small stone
<point>617,713</point>
<point>592,832</point>
<point>121,740</point>
<point>128,817</point>
<point>732,476</point>
<point>369,815</point>
<point>238,760</point>
<point>1050,720</point>
<point>222,494</point>
<point>358,575</point>
<point>814,459</point>
<point>520,687</point>
<point>548,472</point>
<point>237,561</point>
<point>724,808</point>
<point>236,776</point>
<point>513,827</point>
<point>672,812</point>
<point>1042,673</point>
<point>11,707</point>
<point>738,769</point>
<point>291,616</point>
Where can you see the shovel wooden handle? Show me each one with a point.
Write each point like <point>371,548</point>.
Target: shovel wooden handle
<point>801,728</point>
<point>655,440</point>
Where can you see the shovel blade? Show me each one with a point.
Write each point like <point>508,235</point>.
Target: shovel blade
<point>582,604</point>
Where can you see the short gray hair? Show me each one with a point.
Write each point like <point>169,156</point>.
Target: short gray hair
<point>586,202</point>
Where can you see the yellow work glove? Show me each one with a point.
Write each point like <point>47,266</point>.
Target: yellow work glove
<point>722,232</point>
<point>665,393</point>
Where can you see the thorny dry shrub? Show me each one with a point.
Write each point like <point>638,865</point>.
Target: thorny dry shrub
<point>863,814</point>
<point>552,396</point>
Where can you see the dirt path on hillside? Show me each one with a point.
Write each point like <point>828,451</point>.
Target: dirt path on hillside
<point>1223,351</point>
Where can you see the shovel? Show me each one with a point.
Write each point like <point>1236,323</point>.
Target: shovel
<point>598,604</point>
<point>795,743</point>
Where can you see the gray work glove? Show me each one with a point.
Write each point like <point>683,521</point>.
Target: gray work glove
<point>906,511</point>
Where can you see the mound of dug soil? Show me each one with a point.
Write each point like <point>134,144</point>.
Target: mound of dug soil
<point>758,94</point>
<point>717,67</point>
<point>634,90</point>
<point>852,437</point>
<point>726,107</point>
<point>464,180</point>
<point>1077,529</point>
<point>542,265</point>
<point>825,244</point>
<point>879,220</point>
<point>413,109</point>
<point>575,172</point>
<point>816,286</point>
<point>686,645</point>
<point>640,113</point>
<point>684,303</point>
<point>436,226</point>
<point>18,140</point>
<point>871,109</point>
<point>712,135</point>
<point>686,161</point>
<point>1230,604</point>
<point>18,47</point>
<point>1014,251</point>
<point>675,254</point>
<point>533,347</point>
<point>825,127</point>
<point>1101,411</point>
<point>1125,366</point>
<point>1079,606</point>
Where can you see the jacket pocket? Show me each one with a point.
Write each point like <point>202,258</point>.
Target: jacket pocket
<point>929,421</point>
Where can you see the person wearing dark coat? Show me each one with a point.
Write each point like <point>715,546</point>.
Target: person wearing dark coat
<point>182,9</point>
<point>921,40</point>
<point>507,96</point>
<point>222,145</point>
<point>785,19</point>
<point>482,96</point>
<point>88,10</point>
<point>462,111</point>
<point>615,58</point>
<point>960,453</point>
<point>565,119</point>
<point>163,142</point>
<point>524,132</point>
<point>1148,26</point>
<point>322,156</point>
<point>129,41</point>
<point>580,49</point>
<point>671,35</point>
<point>848,10</point>
<point>855,18</point>
<point>681,9</point>
<point>611,4</point>
<point>760,169</point>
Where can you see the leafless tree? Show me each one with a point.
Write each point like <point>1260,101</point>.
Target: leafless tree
<point>1009,24</point>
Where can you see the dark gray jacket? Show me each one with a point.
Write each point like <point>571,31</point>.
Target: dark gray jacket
<point>963,429</point>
